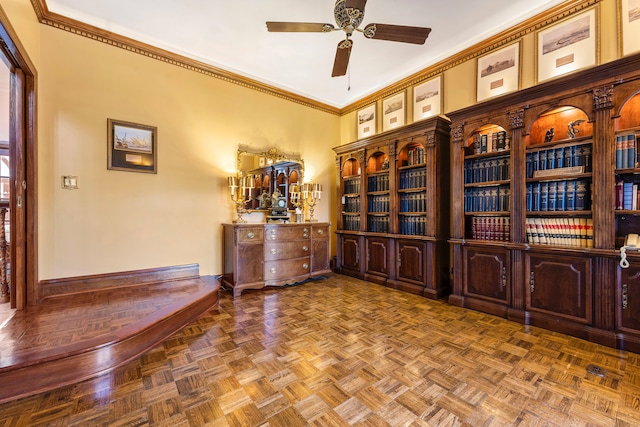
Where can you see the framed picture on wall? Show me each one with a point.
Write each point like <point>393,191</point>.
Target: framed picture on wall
<point>366,121</point>
<point>131,147</point>
<point>567,46</point>
<point>498,72</point>
<point>629,26</point>
<point>393,110</point>
<point>427,99</point>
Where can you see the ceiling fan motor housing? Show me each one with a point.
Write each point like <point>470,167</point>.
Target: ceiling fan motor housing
<point>347,17</point>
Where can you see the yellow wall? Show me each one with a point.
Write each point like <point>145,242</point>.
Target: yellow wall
<point>119,221</point>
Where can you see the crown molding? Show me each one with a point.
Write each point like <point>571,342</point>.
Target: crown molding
<point>514,33</point>
<point>64,23</point>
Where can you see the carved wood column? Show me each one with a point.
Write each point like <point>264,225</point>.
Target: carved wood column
<point>518,214</point>
<point>457,205</point>
<point>603,185</point>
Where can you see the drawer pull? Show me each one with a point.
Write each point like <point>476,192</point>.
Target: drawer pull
<point>321,232</point>
<point>305,230</point>
<point>305,266</point>
<point>532,280</point>
<point>273,231</point>
<point>273,251</point>
<point>273,270</point>
<point>625,297</point>
<point>273,237</point>
<point>251,235</point>
<point>305,249</point>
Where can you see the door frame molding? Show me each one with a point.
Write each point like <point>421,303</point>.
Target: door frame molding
<point>26,293</point>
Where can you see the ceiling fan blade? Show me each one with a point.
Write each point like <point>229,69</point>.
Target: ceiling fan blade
<point>341,62</point>
<point>356,4</point>
<point>397,33</point>
<point>299,27</point>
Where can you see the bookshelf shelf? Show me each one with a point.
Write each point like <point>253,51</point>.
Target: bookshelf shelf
<point>405,194</point>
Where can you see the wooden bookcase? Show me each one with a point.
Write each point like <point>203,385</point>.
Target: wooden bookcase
<point>538,219</point>
<point>393,220</point>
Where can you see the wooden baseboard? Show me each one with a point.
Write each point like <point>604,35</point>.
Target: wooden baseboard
<point>75,285</point>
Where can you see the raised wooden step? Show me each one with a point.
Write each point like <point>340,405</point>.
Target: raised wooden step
<point>71,338</point>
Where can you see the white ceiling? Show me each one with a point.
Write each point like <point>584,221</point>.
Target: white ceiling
<point>232,35</point>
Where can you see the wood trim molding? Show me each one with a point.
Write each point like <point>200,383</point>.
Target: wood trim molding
<point>531,25</point>
<point>75,285</point>
<point>535,23</point>
<point>79,28</point>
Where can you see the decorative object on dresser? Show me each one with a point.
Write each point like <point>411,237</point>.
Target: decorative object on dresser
<point>259,255</point>
<point>239,189</point>
<point>393,198</point>
<point>311,196</point>
<point>261,175</point>
<point>548,256</point>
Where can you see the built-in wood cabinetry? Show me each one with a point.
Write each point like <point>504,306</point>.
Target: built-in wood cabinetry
<point>393,200</point>
<point>540,204</point>
<point>259,255</point>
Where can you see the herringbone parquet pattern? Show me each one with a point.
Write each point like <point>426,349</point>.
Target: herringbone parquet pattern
<point>341,352</point>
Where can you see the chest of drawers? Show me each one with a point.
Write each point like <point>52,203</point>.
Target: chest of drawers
<point>259,255</point>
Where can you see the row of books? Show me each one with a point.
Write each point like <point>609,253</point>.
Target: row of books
<point>351,222</point>
<point>491,228</point>
<point>572,195</point>
<point>576,232</point>
<point>377,224</point>
<point>559,158</point>
<point>627,196</point>
<point>626,151</point>
<point>352,186</point>
<point>352,204</point>
<point>378,183</point>
<point>413,225</point>
<point>415,202</point>
<point>415,156</point>
<point>487,199</point>
<point>487,170</point>
<point>378,204</point>
<point>490,142</point>
<point>416,178</point>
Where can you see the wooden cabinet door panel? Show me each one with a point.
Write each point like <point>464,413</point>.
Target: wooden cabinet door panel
<point>628,305</point>
<point>320,260</point>
<point>411,261</point>
<point>377,256</point>
<point>559,285</point>
<point>351,252</point>
<point>486,273</point>
<point>250,263</point>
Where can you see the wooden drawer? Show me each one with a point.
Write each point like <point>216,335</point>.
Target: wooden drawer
<point>320,231</point>
<point>286,250</point>
<point>280,233</point>
<point>284,269</point>
<point>250,235</point>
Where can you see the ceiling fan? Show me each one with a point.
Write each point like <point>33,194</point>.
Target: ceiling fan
<point>349,15</point>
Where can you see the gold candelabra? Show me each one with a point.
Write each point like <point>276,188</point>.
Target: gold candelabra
<point>311,196</point>
<point>240,190</point>
<point>295,196</point>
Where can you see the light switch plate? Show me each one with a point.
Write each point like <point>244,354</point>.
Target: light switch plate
<point>69,182</point>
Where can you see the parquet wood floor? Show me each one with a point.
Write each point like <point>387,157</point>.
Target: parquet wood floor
<point>343,352</point>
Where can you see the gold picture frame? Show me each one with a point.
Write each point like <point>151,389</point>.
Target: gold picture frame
<point>628,26</point>
<point>498,72</point>
<point>131,147</point>
<point>567,46</point>
<point>393,111</point>
<point>366,121</point>
<point>427,99</point>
